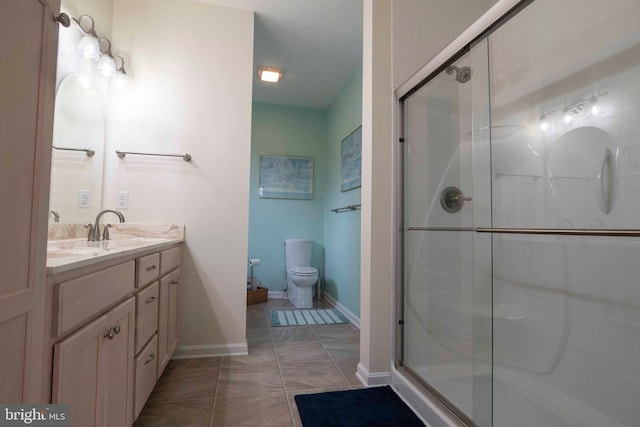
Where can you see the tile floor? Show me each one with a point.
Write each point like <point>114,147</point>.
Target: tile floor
<point>258,389</point>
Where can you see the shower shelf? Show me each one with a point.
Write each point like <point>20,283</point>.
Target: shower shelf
<point>517,175</point>
<point>575,178</point>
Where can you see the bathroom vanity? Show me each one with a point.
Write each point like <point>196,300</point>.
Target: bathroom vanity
<point>112,310</point>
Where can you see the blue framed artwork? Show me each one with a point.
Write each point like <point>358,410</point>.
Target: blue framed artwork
<point>351,161</point>
<point>285,177</point>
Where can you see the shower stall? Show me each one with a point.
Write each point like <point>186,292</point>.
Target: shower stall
<point>520,211</point>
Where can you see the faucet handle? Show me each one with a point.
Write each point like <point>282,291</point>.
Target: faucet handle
<point>90,236</point>
<point>105,232</point>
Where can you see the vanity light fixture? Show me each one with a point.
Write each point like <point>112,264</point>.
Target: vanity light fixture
<point>106,64</point>
<point>570,111</point>
<point>121,80</point>
<point>271,75</point>
<point>89,46</point>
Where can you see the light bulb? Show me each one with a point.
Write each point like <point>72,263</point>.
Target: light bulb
<point>544,125</point>
<point>121,82</point>
<point>106,66</point>
<point>89,47</point>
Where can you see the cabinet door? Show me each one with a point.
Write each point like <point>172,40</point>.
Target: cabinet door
<point>76,372</point>
<point>27,88</point>
<point>117,366</point>
<point>168,318</point>
<point>172,329</point>
<point>93,370</point>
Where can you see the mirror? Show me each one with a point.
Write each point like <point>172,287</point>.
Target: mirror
<point>78,131</point>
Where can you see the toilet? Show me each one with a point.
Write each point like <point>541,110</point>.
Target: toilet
<point>300,275</point>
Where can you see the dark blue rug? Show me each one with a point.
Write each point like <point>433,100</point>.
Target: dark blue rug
<point>370,407</point>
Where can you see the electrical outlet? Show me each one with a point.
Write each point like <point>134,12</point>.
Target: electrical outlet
<point>122,199</point>
<point>84,199</point>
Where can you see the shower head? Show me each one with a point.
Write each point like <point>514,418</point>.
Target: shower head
<point>463,74</point>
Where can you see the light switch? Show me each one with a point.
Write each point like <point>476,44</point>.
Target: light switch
<point>122,199</point>
<point>84,199</point>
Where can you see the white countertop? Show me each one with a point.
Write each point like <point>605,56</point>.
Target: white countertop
<point>67,253</point>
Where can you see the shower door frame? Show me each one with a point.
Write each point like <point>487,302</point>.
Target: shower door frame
<point>454,51</point>
<point>483,27</point>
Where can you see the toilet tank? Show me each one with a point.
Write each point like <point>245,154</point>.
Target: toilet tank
<point>297,253</point>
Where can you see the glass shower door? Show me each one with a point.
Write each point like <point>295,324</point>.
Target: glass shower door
<point>447,282</point>
<point>565,102</point>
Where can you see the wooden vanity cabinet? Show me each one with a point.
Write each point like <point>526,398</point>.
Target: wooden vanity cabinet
<point>106,362</point>
<point>93,369</point>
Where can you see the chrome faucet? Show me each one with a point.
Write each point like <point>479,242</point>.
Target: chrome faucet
<point>94,230</point>
<point>56,215</point>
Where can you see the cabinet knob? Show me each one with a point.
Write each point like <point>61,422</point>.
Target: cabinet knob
<point>111,333</point>
<point>153,267</point>
<point>150,300</point>
<point>151,357</point>
<point>174,282</point>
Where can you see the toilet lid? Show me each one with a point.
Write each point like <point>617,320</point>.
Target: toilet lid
<point>303,271</point>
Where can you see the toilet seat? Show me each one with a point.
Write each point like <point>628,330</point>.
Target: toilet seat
<point>303,271</point>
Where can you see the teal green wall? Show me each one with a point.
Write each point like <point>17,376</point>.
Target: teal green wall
<point>342,231</point>
<point>318,134</point>
<point>296,131</point>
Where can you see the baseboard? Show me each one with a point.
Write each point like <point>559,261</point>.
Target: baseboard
<point>215,350</point>
<point>372,379</point>
<point>342,309</point>
<point>276,294</point>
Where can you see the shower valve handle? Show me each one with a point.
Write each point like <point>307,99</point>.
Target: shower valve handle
<point>452,199</point>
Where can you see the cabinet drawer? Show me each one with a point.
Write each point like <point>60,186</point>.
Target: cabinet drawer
<point>148,269</point>
<point>146,367</point>
<point>80,299</point>
<point>147,314</point>
<point>169,259</point>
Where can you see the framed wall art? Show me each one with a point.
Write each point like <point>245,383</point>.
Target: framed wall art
<point>351,161</point>
<point>286,177</point>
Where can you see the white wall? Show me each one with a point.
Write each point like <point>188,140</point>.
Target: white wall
<point>191,69</point>
<point>422,28</point>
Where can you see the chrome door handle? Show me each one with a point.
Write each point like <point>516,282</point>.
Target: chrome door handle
<point>109,334</point>
<point>116,329</point>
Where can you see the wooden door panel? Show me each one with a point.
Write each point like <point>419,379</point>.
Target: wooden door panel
<point>20,59</point>
<point>12,336</point>
<point>27,90</point>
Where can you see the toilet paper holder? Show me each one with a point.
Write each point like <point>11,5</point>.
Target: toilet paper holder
<point>252,263</point>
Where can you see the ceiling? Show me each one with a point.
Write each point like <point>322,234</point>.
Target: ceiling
<point>316,43</point>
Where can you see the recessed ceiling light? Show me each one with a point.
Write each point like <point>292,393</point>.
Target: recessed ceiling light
<point>272,75</point>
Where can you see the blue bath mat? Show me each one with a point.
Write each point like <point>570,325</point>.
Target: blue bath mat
<point>329,316</point>
<point>368,407</point>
